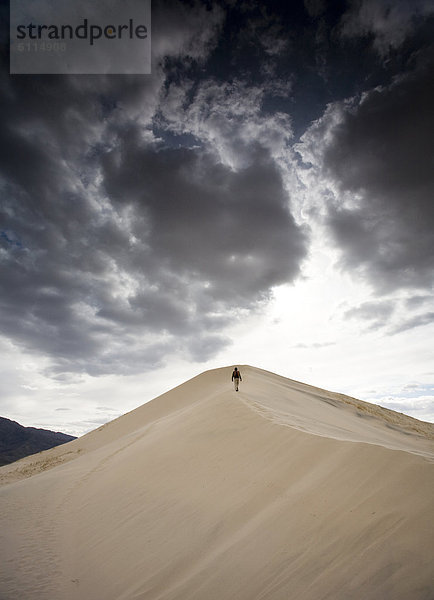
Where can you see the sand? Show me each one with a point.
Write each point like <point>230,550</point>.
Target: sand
<point>280,491</point>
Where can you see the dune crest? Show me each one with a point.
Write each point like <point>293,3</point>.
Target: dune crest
<point>278,491</point>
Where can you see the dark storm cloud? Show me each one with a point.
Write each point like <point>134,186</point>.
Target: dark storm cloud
<point>241,237</point>
<point>387,22</point>
<point>182,242</point>
<point>417,301</point>
<point>315,8</point>
<point>377,313</point>
<point>211,240</point>
<point>380,156</point>
<point>393,315</point>
<point>118,251</point>
<point>416,321</point>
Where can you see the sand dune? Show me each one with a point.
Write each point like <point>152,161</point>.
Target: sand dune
<point>280,491</point>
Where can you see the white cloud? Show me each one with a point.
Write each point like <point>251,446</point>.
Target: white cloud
<point>420,407</point>
<point>389,22</point>
<point>188,31</point>
<point>228,117</point>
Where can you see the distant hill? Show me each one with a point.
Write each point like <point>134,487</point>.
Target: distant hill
<point>17,441</point>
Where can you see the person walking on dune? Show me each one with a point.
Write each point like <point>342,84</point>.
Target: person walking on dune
<point>236,378</point>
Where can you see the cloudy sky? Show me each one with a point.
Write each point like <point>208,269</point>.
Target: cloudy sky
<point>265,196</point>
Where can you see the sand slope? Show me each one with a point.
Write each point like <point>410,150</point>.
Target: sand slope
<point>281,491</point>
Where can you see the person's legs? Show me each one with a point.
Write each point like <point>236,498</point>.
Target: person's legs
<point>236,382</point>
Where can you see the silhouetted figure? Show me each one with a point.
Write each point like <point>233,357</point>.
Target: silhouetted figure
<point>236,378</point>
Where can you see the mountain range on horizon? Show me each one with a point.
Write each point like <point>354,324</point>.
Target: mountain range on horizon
<point>281,490</point>
<point>18,441</point>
